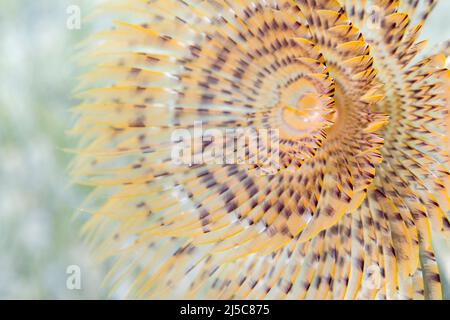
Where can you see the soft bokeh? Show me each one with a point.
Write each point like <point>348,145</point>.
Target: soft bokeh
<point>39,236</point>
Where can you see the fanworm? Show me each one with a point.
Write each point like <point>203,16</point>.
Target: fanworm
<point>362,178</point>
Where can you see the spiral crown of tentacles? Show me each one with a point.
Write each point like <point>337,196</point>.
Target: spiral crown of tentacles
<point>363,122</point>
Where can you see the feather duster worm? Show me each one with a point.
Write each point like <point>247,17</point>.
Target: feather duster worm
<point>363,179</point>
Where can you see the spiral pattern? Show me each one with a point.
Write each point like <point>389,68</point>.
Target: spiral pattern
<point>363,177</point>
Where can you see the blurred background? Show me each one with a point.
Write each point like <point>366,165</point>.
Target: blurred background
<point>39,234</point>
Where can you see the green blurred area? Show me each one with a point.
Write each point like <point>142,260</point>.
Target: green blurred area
<point>39,238</point>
